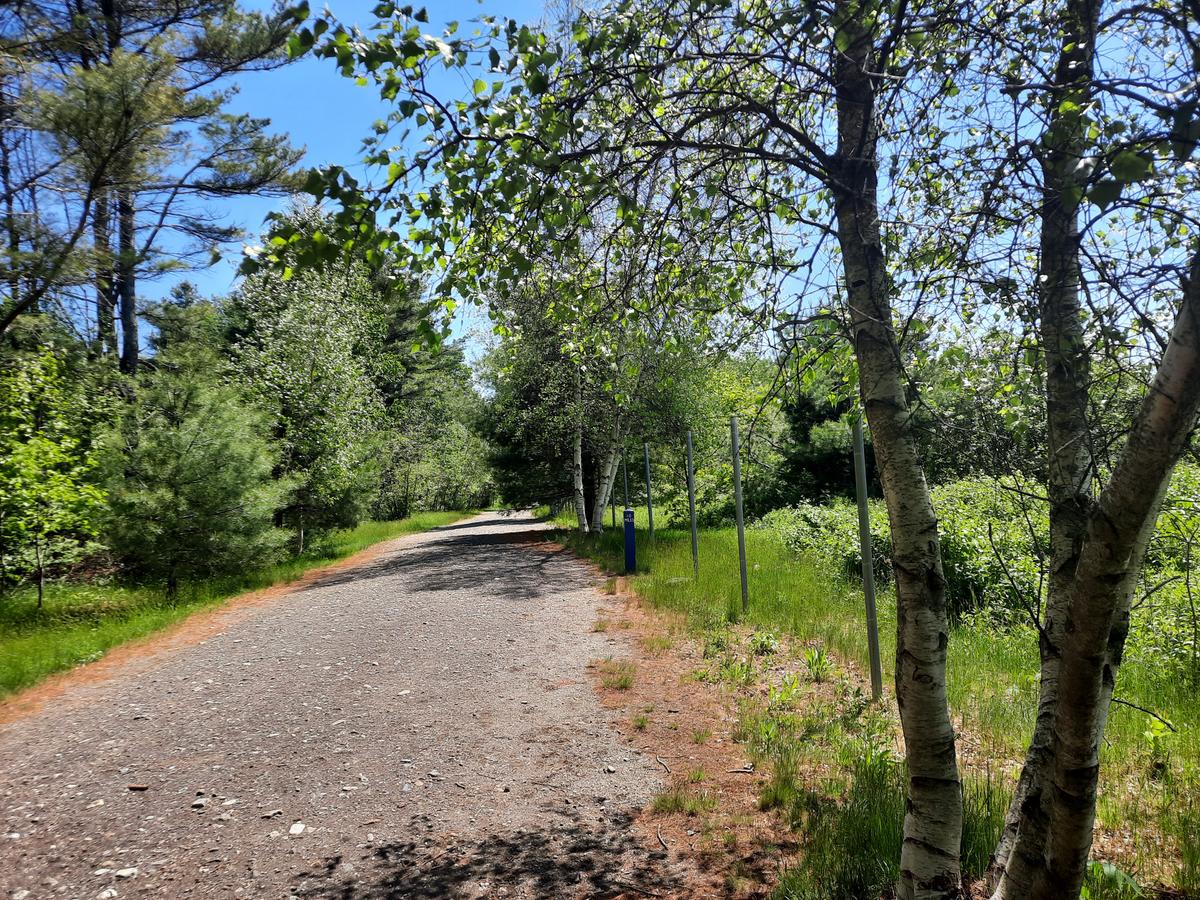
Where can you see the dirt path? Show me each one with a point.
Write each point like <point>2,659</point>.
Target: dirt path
<point>420,725</point>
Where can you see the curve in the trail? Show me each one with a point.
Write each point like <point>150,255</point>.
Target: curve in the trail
<point>419,725</point>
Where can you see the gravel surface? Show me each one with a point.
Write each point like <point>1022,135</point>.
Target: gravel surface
<point>420,725</point>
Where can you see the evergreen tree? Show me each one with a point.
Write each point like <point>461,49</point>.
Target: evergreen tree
<point>142,127</point>
<point>191,488</point>
<point>298,346</point>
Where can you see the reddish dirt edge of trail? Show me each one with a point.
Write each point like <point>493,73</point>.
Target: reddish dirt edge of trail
<point>687,725</point>
<point>141,653</point>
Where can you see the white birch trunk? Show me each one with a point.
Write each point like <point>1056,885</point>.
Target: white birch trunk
<point>1069,462</point>
<point>577,462</point>
<point>608,477</point>
<point>1118,528</point>
<point>929,857</point>
<point>1019,853</point>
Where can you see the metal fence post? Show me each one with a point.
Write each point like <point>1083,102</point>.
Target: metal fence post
<point>649,499</point>
<point>691,486</point>
<point>737,503</point>
<point>612,502</point>
<point>625,475</point>
<point>868,557</point>
<point>630,542</point>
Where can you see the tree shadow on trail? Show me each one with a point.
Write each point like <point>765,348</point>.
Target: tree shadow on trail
<point>522,563</point>
<point>509,519</point>
<point>564,860</point>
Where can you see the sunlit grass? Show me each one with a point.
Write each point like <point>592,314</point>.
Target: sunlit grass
<point>992,677</point>
<point>617,674</point>
<point>680,800</point>
<point>80,622</point>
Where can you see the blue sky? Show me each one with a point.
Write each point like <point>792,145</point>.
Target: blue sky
<point>327,114</point>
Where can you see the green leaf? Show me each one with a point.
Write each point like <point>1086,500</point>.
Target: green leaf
<point>1128,166</point>
<point>1105,193</point>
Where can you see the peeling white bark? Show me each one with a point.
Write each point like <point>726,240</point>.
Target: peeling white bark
<point>577,462</point>
<point>608,476</point>
<point>1108,561</point>
<point>929,857</point>
<point>1069,462</point>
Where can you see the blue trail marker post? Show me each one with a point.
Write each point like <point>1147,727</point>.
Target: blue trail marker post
<point>630,543</point>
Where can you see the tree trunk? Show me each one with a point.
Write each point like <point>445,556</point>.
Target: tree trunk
<point>13,235</point>
<point>1118,526</point>
<point>106,327</point>
<point>41,573</point>
<point>608,476</point>
<point>577,467</point>
<point>1120,628</point>
<point>929,857</point>
<point>1069,462</point>
<point>127,281</point>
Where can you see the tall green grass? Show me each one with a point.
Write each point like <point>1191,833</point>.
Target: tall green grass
<point>992,679</point>
<point>79,622</point>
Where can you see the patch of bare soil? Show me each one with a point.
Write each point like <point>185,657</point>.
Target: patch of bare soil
<point>686,726</point>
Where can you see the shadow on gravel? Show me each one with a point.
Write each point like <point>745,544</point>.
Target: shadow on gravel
<point>493,521</point>
<point>520,560</point>
<point>507,520</point>
<point>567,860</point>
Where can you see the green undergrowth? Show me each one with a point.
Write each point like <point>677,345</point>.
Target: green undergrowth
<point>79,622</point>
<point>1150,785</point>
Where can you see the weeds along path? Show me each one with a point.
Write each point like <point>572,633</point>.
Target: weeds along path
<point>420,725</point>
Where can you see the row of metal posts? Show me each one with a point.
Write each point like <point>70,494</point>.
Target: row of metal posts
<point>864,530</point>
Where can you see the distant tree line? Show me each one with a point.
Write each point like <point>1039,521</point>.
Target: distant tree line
<point>257,422</point>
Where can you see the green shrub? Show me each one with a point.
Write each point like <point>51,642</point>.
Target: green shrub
<point>49,501</point>
<point>829,536</point>
<point>1177,537</point>
<point>1165,631</point>
<point>993,538</point>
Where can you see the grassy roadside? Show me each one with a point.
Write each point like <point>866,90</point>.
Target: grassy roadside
<point>1151,784</point>
<point>80,622</point>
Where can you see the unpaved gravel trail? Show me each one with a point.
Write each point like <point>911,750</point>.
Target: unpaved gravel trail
<point>417,726</point>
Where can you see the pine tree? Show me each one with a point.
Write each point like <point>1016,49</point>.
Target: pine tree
<point>191,488</point>
<point>151,146</point>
